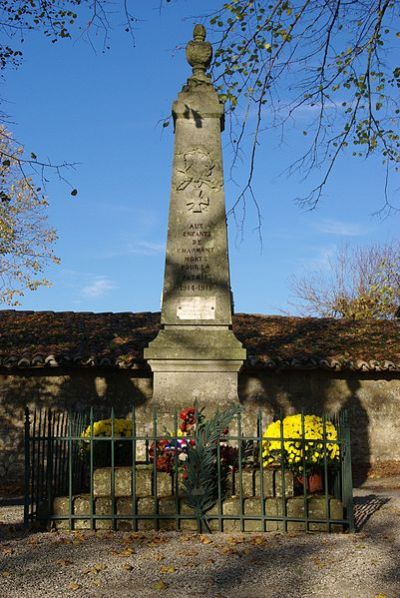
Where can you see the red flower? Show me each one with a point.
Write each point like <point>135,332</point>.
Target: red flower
<point>164,464</point>
<point>188,415</point>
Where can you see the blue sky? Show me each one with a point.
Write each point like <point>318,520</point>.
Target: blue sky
<point>101,110</point>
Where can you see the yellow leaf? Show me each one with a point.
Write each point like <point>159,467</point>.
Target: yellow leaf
<point>205,539</point>
<point>123,553</point>
<point>159,557</point>
<point>100,567</point>
<point>167,569</point>
<point>160,585</point>
<point>233,540</point>
<point>257,540</point>
<point>127,567</point>
<point>5,574</point>
<point>228,550</point>
<point>74,586</point>
<point>63,562</point>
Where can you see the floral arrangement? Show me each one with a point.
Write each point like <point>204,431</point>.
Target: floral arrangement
<point>103,427</point>
<point>169,447</point>
<point>102,450</point>
<point>298,449</point>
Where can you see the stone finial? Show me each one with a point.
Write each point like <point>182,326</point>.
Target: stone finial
<point>199,53</point>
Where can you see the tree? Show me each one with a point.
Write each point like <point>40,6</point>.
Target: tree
<point>25,240</point>
<point>334,60</point>
<point>363,282</point>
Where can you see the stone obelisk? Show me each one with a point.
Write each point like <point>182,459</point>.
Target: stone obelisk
<point>196,355</point>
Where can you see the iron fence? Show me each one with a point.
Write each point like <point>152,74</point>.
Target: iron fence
<point>77,478</point>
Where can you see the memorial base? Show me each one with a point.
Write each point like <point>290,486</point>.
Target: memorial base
<point>185,382</point>
<point>195,364</point>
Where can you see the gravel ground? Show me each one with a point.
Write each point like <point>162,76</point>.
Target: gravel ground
<point>272,565</point>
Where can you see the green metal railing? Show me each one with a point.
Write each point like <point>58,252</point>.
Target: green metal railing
<point>59,463</point>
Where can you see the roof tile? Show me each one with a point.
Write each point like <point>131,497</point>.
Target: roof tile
<point>52,339</point>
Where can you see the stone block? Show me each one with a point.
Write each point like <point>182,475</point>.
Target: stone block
<point>61,508</point>
<point>271,479</point>
<point>230,506</point>
<point>274,507</point>
<point>166,506</point>
<point>103,506</point>
<point>316,506</point>
<point>102,481</point>
<point>81,506</point>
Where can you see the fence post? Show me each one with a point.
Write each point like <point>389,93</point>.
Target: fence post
<point>347,477</point>
<point>49,464</point>
<point>27,465</point>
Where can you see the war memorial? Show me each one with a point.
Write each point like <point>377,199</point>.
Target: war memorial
<point>200,419</point>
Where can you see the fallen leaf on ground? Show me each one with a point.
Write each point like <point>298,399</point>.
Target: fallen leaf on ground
<point>32,540</point>
<point>8,551</point>
<point>5,573</point>
<point>234,540</point>
<point>205,539</point>
<point>257,540</point>
<point>123,553</point>
<point>74,586</point>
<point>228,550</point>
<point>159,557</point>
<point>167,569</point>
<point>100,567</point>
<point>159,539</point>
<point>160,585</point>
<point>127,567</point>
<point>95,569</point>
<point>63,562</point>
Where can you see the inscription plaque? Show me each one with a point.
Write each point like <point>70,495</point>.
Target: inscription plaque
<point>196,308</point>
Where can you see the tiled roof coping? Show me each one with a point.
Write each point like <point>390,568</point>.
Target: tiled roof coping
<point>46,339</point>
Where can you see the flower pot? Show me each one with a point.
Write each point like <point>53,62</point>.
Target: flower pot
<point>102,454</point>
<point>314,482</point>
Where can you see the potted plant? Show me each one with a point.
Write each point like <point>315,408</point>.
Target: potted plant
<point>102,448</point>
<point>302,443</point>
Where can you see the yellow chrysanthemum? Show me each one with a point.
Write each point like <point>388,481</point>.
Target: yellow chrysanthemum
<point>281,440</point>
<point>103,427</point>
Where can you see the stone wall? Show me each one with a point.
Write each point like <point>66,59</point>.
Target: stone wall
<point>373,402</point>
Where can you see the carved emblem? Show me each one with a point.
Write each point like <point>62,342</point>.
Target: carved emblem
<point>197,177</point>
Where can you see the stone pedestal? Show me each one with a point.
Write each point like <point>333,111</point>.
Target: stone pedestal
<point>196,355</point>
